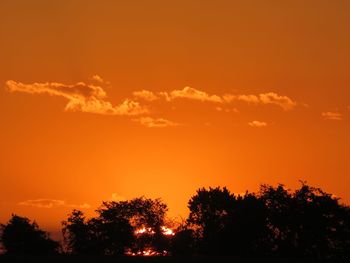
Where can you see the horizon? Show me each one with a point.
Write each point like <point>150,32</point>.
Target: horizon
<point>118,99</point>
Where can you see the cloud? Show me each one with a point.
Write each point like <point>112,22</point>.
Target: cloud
<point>81,97</point>
<point>191,93</point>
<point>257,124</point>
<point>50,203</point>
<point>97,78</point>
<point>264,98</point>
<point>146,95</point>
<point>155,122</point>
<point>282,101</point>
<point>335,116</point>
<point>235,110</point>
<point>92,98</point>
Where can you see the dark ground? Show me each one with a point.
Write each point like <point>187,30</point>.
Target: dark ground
<point>71,259</point>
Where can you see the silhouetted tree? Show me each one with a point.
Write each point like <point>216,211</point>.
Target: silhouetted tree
<point>116,228</point>
<point>20,236</point>
<point>209,213</point>
<point>228,224</point>
<point>107,234</point>
<point>76,233</point>
<point>273,222</point>
<point>308,222</point>
<point>113,234</point>
<point>141,213</point>
<point>246,232</point>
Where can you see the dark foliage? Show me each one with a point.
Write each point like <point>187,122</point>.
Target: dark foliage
<point>22,237</point>
<point>274,223</point>
<point>113,231</point>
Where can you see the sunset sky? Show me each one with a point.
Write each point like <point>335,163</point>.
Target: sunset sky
<point>110,100</point>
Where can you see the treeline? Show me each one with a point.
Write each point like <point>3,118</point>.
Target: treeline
<point>274,222</point>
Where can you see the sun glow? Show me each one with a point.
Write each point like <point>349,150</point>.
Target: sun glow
<point>150,251</point>
<point>167,231</point>
<point>148,230</point>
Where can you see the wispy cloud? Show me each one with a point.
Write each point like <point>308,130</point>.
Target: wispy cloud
<point>335,116</point>
<point>235,110</point>
<point>99,79</point>
<point>92,98</point>
<point>146,95</point>
<point>193,94</point>
<point>50,203</point>
<point>81,97</point>
<point>189,93</point>
<point>257,124</point>
<point>284,102</point>
<point>155,122</point>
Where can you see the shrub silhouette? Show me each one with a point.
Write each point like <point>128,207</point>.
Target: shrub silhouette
<point>22,237</point>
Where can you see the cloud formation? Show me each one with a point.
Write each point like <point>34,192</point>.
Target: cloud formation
<point>335,116</point>
<point>150,122</point>
<point>189,93</point>
<point>81,97</point>
<point>145,95</point>
<point>92,98</point>
<point>257,124</point>
<point>264,98</point>
<point>50,203</point>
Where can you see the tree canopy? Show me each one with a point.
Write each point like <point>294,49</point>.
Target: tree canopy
<point>20,236</point>
<point>273,222</point>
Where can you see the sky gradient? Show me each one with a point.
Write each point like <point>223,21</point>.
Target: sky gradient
<point>105,100</point>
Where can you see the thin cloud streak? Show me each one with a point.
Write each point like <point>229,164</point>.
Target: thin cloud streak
<point>189,93</point>
<point>50,203</point>
<point>284,102</point>
<point>335,116</point>
<point>150,122</point>
<point>257,124</point>
<point>145,95</point>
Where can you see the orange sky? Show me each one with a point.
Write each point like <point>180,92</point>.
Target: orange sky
<point>171,96</point>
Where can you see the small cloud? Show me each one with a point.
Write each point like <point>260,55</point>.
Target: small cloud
<point>97,78</point>
<point>155,123</point>
<point>146,95</point>
<point>245,98</point>
<point>335,116</point>
<point>273,98</point>
<point>191,93</point>
<point>100,80</point>
<point>235,110</point>
<point>50,203</point>
<point>257,124</point>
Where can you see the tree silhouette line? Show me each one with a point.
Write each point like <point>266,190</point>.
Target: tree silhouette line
<point>274,222</point>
